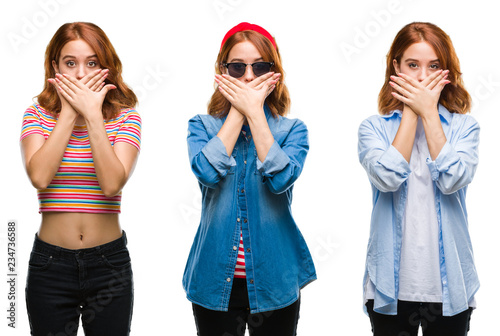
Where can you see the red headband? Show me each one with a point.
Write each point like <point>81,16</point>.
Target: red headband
<point>248,26</point>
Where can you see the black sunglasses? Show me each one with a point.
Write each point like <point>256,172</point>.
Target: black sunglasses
<point>237,69</point>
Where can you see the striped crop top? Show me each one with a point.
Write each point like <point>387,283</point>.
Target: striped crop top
<point>75,187</point>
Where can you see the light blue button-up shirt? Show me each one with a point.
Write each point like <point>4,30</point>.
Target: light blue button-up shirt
<point>242,194</point>
<point>451,172</point>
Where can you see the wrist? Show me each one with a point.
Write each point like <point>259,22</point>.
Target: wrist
<point>430,114</point>
<point>93,117</point>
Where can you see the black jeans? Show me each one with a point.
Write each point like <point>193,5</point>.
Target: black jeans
<point>281,322</point>
<point>411,315</point>
<point>94,283</point>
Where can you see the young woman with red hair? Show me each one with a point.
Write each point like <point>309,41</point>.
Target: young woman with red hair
<point>80,143</point>
<point>420,155</point>
<point>248,261</point>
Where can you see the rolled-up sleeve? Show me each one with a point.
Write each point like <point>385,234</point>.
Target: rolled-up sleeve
<point>386,167</point>
<point>208,157</point>
<point>283,163</point>
<point>456,164</point>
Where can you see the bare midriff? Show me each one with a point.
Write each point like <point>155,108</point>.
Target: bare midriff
<point>78,230</point>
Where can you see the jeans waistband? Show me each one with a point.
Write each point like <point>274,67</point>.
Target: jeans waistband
<point>61,252</point>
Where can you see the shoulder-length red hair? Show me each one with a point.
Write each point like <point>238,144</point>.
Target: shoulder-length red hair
<point>116,99</point>
<point>454,95</point>
<point>278,101</point>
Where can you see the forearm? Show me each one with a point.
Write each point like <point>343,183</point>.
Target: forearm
<point>405,136</point>
<point>230,130</point>
<point>262,136</point>
<point>434,133</point>
<point>110,171</point>
<point>43,157</point>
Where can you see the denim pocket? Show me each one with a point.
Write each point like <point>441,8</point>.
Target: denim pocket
<point>39,261</point>
<point>118,259</point>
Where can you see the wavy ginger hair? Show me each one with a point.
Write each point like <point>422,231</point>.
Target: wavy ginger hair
<point>278,101</point>
<point>116,99</point>
<point>454,96</point>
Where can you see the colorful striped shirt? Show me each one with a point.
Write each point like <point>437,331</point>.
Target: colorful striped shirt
<point>75,187</point>
<point>239,270</point>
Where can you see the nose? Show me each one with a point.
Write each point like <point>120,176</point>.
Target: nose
<point>80,72</point>
<point>424,72</point>
<point>249,75</point>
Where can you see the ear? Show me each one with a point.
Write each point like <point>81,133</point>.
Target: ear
<point>222,69</point>
<point>396,66</point>
<point>54,65</point>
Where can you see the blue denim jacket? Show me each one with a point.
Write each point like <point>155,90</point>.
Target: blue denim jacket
<point>241,193</point>
<point>451,172</point>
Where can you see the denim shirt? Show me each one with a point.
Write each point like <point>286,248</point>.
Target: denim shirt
<point>242,194</point>
<point>451,172</point>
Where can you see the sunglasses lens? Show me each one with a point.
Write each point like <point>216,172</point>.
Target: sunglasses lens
<point>261,68</point>
<point>236,70</point>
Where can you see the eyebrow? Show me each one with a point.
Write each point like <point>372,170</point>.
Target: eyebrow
<point>415,60</point>
<point>71,56</point>
<point>240,60</point>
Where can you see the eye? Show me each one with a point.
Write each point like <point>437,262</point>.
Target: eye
<point>435,66</point>
<point>70,63</point>
<point>92,64</point>
<point>412,65</point>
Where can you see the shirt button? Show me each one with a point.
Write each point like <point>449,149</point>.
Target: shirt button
<point>235,248</point>
<point>228,279</point>
<point>237,219</point>
<point>242,190</point>
<point>245,220</point>
<point>251,281</point>
<point>248,249</point>
<point>245,161</point>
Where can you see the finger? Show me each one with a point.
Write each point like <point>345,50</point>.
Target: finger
<point>261,79</point>
<point>267,84</point>
<point>107,88</point>
<point>273,80</point>
<point>231,82</point>
<point>401,98</point>
<point>89,76</point>
<point>225,94</point>
<point>440,86</point>
<point>438,79</point>
<point>95,81</point>
<point>270,90</point>
<point>406,82</point>
<point>224,85</point>
<point>60,91</point>
<point>64,88</point>
<point>429,79</point>
<point>98,84</point>
<point>100,87</point>
<point>400,89</point>
<point>69,81</point>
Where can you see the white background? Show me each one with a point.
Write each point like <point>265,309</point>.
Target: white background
<point>168,50</point>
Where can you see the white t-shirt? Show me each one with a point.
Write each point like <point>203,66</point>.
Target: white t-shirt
<point>419,274</point>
